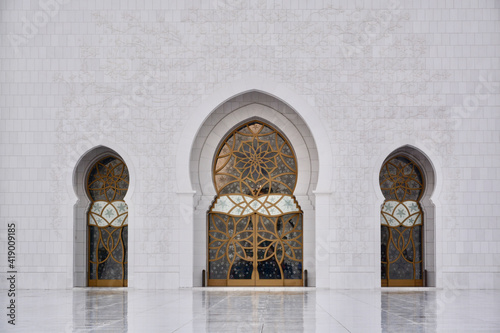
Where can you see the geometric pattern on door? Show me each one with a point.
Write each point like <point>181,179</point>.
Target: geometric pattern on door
<point>401,223</point>
<point>255,224</point>
<point>107,223</point>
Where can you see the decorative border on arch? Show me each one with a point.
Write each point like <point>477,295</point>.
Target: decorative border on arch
<point>258,112</point>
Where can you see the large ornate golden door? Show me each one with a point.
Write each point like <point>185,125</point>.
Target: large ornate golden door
<point>255,222</point>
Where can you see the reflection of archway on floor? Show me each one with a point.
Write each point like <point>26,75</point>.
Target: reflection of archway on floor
<point>420,209</point>
<point>81,211</point>
<point>252,105</point>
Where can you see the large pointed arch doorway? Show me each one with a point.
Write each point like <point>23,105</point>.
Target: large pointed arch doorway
<point>255,223</point>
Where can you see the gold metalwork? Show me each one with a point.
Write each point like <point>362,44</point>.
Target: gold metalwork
<point>255,223</point>
<point>265,205</point>
<point>108,180</point>
<point>401,179</point>
<point>402,183</point>
<point>107,184</point>
<point>255,159</point>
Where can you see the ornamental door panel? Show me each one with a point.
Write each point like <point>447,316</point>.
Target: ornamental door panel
<point>401,220</point>
<point>259,249</point>
<point>107,185</point>
<point>279,250</point>
<point>255,223</point>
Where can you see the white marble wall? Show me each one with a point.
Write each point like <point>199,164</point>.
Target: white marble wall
<point>142,78</point>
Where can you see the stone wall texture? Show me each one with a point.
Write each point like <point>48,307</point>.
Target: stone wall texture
<point>148,80</point>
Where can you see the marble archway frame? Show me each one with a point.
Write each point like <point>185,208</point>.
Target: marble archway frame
<point>189,219</point>
<point>433,238</point>
<point>80,208</point>
<point>234,119</point>
<point>202,165</point>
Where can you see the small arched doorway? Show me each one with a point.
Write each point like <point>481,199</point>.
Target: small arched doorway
<point>255,231</point>
<point>402,222</point>
<point>107,183</point>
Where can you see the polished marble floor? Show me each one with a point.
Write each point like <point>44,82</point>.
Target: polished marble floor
<point>254,310</point>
